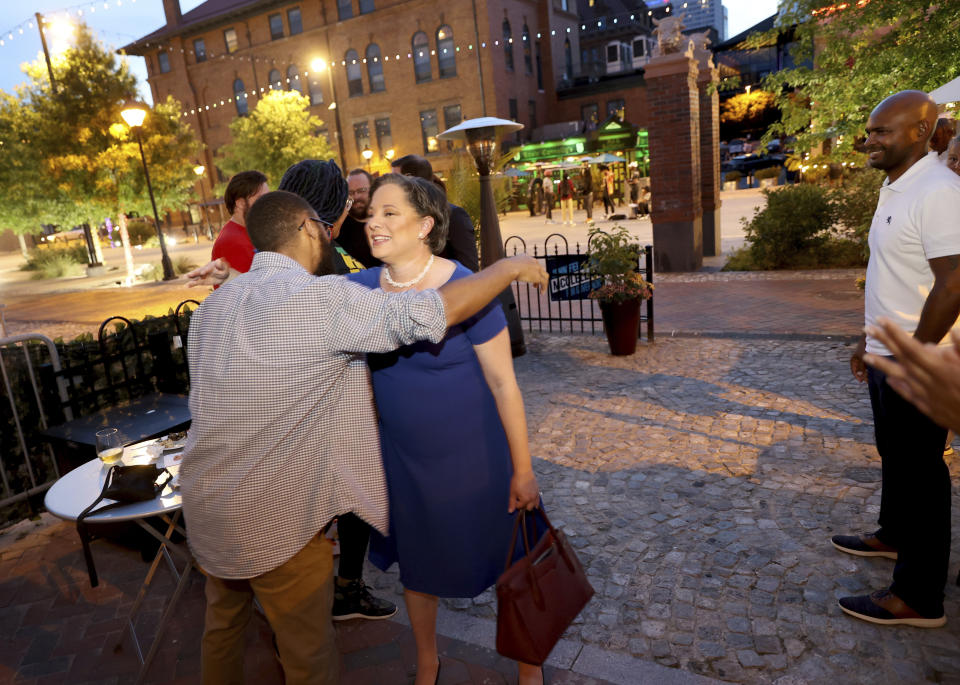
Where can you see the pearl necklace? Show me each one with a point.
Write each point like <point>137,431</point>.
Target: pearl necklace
<point>407,284</point>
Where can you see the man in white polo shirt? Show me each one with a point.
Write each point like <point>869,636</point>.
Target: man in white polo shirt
<point>913,279</point>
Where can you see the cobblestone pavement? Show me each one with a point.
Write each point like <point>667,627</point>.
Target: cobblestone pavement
<point>700,481</point>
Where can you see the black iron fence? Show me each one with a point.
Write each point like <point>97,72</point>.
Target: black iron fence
<point>566,307</point>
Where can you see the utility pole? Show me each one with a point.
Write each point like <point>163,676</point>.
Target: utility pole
<point>46,51</point>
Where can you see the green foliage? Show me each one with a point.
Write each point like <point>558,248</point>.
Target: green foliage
<point>855,202</point>
<point>154,272</point>
<point>769,172</point>
<point>796,230</point>
<point>279,132</point>
<point>463,185</point>
<point>862,52</point>
<point>140,230</point>
<point>615,255</point>
<point>732,176</point>
<point>57,261</point>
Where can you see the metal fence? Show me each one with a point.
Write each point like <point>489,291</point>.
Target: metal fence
<point>566,307</point>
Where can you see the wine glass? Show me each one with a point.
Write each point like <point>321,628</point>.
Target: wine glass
<point>109,448</point>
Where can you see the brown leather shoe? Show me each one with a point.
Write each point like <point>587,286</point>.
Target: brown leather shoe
<point>867,545</point>
<point>885,608</point>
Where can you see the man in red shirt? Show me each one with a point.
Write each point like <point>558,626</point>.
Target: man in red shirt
<point>233,244</point>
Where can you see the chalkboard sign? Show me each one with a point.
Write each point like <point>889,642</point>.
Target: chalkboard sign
<point>569,278</point>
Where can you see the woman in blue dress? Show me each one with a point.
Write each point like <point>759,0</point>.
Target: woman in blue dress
<point>452,426</point>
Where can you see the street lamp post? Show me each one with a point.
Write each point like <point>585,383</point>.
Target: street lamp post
<point>367,155</point>
<point>319,65</point>
<point>482,136</point>
<point>198,170</point>
<point>134,114</point>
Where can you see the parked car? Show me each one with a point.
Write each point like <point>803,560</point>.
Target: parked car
<point>747,164</point>
<point>51,235</point>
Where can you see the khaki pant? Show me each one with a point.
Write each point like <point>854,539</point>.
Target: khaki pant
<point>297,598</point>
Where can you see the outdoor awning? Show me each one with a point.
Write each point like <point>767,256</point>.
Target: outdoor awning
<point>949,92</point>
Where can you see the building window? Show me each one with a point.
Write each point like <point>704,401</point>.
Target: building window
<point>240,97</point>
<point>230,40</point>
<point>568,60</point>
<point>514,112</point>
<point>539,68</point>
<point>294,21</point>
<point>276,26</point>
<point>565,5</point>
<point>384,137</point>
<point>293,78</point>
<point>589,114</point>
<point>375,69</point>
<point>507,45</point>
<point>163,59</point>
<point>316,91</point>
<point>344,9</point>
<point>199,50</point>
<point>428,128</point>
<point>527,51</point>
<point>615,108</point>
<point>275,80</point>
<point>446,52</point>
<point>452,115</point>
<point>366,6</point>
<point>354,73</point>
<point>421,57</point>
<point>532,106</point>
<point>361,134</point>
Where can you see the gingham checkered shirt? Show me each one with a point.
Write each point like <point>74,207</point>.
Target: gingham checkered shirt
<point>284,433</point>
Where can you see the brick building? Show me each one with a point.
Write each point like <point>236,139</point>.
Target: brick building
<point>402,70</point>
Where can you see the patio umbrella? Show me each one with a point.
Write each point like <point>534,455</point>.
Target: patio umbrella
<point>515,172</point>
<point>949,92</point>
<point>606,158</point>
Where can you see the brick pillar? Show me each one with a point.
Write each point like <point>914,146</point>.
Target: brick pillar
<point>707,81</point>
<point>674,132</point>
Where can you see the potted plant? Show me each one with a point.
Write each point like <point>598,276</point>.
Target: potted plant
<point>731,179</point>
<point>768,177</point>
<point>614,257</point>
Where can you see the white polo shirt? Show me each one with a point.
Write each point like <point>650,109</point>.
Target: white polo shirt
<point>917,219</point>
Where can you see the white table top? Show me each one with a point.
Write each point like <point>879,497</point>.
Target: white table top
<point>75,491</point>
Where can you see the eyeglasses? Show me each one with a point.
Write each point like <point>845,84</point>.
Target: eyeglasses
<point>323,223</point>
<point>358,191</point>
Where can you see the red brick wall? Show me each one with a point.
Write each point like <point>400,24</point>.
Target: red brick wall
<point>709,140</point>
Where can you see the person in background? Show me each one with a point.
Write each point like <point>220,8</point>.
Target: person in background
<point>233,244</point>
<point>913,280</point>
<point>548,198</point>
<point>456,457</point>
<point>942,135</point>
<point>607,188</point>
<point>586,190</point>
<point>644,204</point>
<point>353,237</point>
<point>461,239</point>
<point>953,155</point>
<point>567,192</point>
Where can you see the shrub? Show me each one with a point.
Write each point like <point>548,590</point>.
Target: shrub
<point>57,261</point>
<point>769,172</point>
<point>182,265</point>
<point>140,231</point>
<point>793,226</point>
<point>856,202</point>
<point>732,176</point>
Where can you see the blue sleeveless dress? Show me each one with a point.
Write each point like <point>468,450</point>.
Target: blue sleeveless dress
<point>446,459</point>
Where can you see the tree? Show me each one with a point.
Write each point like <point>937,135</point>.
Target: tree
<point>278,133</point>
<point>748,111</point>
<point>861,52</point>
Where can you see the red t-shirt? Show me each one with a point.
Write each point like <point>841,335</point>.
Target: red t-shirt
<point>233,244</point>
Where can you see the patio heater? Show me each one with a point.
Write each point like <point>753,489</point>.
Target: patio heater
<point>482,136</point>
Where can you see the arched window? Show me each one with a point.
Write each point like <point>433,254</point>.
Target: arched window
<point>507,45</point>
<point>354,73</point>
<point>568,60</point>
<point>316,91</point>
<point>275,79</point>
<point>293,76</point>
<point>446,52</point>
<point>240,97</point>
<point>375,69</point>
<point>421,57</point>
<point>527,51</point>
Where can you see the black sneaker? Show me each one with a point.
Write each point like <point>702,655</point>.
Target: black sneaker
<point>355,601</point>
<point>885,608</point>
<point>867,545</point>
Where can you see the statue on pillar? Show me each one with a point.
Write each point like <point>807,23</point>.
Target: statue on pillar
<point>701,51</point>
<point>669,33</point>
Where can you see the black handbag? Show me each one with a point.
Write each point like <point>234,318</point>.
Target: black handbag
<point>123,485</point>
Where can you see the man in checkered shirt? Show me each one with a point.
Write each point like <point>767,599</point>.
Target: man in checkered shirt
<point>284,433</point>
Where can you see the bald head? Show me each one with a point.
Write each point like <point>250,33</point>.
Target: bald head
<point>898,131</point>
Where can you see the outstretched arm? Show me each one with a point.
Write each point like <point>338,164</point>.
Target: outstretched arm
<point>464,297</point>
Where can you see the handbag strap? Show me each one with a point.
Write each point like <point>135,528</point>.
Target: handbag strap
<point>84,532</point>
<point>521,522</point>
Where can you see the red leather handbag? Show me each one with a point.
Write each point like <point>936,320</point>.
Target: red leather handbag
<point>538,596</point>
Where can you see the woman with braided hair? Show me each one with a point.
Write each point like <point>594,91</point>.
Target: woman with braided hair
<point>322,185</point>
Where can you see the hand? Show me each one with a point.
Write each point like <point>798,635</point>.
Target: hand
<point>857,367</point>
<point>529,270</point>
<point>925,374</point>
<point>211,273</point>
<point>524,492</point>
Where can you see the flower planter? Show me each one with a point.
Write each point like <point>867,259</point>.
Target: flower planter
<point>621,321</point>
<point>729,185</point>
<point>768,182</point>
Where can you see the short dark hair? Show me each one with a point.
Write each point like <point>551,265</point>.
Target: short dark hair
<point>414,165</point>
<point>321,184</point>
<point>357,172</point>
<point>274,218</point>
<point>242,186</point>
<point>426,200</point>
